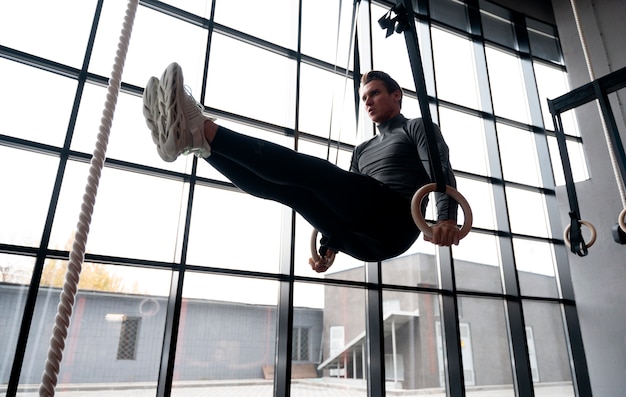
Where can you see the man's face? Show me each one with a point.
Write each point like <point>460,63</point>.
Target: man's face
<point>380,104</point>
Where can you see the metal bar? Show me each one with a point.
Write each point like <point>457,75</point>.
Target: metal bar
<point>175,302</point>
<point>587,93</point>
<point>375,331</point>
<point>580,373</point>
<point>450,324</point>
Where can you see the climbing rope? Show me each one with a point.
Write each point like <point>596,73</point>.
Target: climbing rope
<point>68,294</point>
<point>612,156</point>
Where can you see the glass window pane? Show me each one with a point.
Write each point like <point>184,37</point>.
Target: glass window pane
<point>455,69</point>
<point>450,12</point>
<point>479,195</point>
<point>465,136</point>
<point>30,183</point>
<point>343,341</point>
<point>577,159</point>
<point>134,215</point>
<point>67,22</point>
<point>319,31</point>
<point>485,345</point>
<point>496,24</point>
<point>543,41</point>
<point>390,53</point>
<point>527,212</point>
<point>234,230</point>
<point>222,336</point>
<point>535,263</point>
<point>15,273</point>
<point>509,96</point>
<point>552,83</point>
<point>477,263</point>
<point>116,333</point>
<point>151,49</point>
<point>518,155</point>
<point>547,350</point>
<point>412,269</point>
<point>268,94</point>
<point>327,105</point>
<point>279,19</point>
<point>53,104</point>
<point>329,332</point>
<point>414,357</point>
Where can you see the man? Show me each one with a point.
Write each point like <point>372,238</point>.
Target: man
<point>364,212</point>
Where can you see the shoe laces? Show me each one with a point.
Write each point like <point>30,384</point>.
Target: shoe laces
<point>191,101</point>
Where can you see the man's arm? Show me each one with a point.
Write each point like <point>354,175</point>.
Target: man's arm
<point>445,232</point>
<point>446,205</point>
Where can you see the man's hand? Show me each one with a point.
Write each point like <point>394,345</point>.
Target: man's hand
<point>324,263</point>
<point>445,233</point>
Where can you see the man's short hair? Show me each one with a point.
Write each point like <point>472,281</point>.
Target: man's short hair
<point>390,84</point>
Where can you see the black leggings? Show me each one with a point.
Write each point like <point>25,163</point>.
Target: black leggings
<point>355,213</point>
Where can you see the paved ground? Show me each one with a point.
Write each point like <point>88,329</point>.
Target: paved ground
<point>309,388</point>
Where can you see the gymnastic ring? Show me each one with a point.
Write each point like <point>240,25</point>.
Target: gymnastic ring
<point>621,220</point>
<point>314,252</point>
<point>418,218</point>
<point>592,239</point>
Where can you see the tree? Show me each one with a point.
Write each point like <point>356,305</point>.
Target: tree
<point>93,276</point>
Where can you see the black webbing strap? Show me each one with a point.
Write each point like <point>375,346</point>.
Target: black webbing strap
<point>405,22</point>
<point>577,243</point>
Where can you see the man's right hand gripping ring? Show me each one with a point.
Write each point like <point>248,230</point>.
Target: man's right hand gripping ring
<point>418,218</point>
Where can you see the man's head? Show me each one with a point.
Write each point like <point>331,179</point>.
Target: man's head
<point>381,95</point>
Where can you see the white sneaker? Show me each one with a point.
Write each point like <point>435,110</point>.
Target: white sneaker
<point>174,117</point>
<point>151,111</point>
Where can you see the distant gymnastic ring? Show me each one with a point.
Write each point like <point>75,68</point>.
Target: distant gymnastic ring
<point>621,220</point>
<point>151,311</point>
<point>314,252</point>
<point>418,218</point>
<point>592,239</point>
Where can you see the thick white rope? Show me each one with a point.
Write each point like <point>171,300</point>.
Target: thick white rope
<point>68,294</point>
<point>612,156</point>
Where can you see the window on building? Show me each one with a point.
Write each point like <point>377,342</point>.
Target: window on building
<point>300,350</point>
<point>129,336</point>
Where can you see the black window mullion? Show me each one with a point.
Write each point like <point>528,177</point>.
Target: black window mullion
<point>580,374</point>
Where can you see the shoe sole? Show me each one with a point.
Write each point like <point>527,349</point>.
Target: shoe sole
<point>171,101</point>
<point>151,108</point>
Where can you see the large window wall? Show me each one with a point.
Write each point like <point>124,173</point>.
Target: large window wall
<point>190,285</point>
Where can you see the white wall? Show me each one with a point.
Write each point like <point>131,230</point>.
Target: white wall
<point>599,277</point>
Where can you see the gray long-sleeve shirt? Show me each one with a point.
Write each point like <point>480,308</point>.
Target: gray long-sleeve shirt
<point>398,157</point>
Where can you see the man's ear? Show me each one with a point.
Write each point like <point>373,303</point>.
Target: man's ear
<point>397,95</point>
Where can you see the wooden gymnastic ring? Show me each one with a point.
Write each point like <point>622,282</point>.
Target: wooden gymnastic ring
<point>314,252</point>
<point>418,218</point>
<point>592,239</point>
<point>621,220</point>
